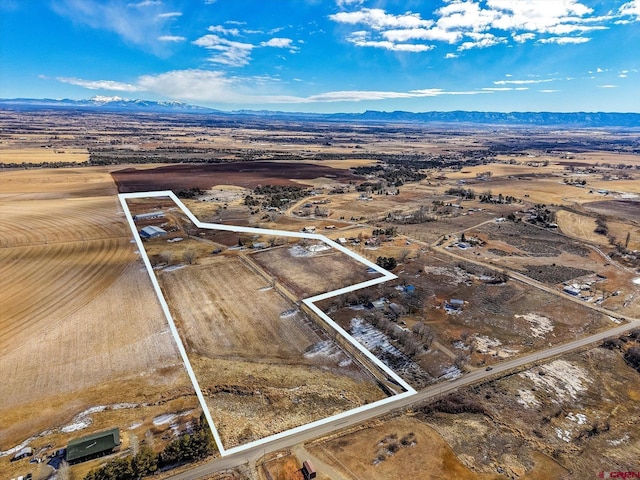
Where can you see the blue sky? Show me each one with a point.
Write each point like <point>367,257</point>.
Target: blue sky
<point>328,56</point>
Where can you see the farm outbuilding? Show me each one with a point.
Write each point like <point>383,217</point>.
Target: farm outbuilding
<point>152,232</point>
<point>308,471</point>
<point>93,446</point>
<point>148,216</point>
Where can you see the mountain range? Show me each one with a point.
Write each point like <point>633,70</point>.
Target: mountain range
<point>118,104</point>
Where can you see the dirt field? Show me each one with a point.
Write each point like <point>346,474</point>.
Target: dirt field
<point>309,274</point>
<point>80,320</point>
<point>244,174</point>
<point>251,356</point>
<point>366,453</point>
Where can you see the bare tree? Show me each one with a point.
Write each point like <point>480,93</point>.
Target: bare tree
<point>134,443</point>
<point>166,256</point>
<point>461,361</point>
<point>64,472</point>
<point>190,255</point>
<point>403,255</point>
<point>149,440</point>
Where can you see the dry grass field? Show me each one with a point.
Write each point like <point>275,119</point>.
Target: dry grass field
<point>262,365</point>
<point>81,326</point>
<point>578,414</point>
<point>315,273</point>
<point>43,155</point>
<point>366,453</point>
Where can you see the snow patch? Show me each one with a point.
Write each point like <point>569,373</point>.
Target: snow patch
<point>636,281</point>
<point>540,325</point>
<point>79,425</point>
<point>579,418</point>
<point>325,348</point>
<point>620,441</point>
<point>164,418</point>
<point>289,313</point>
<point>490,346</point>
<point>527,398</point>
<point>82,420</point>
<point>135,425</point>
<point>451,373</point>
<point>456,274</point>
<point>563,434</point>
<point>169,418</point>
<point>559,377</point>
<point>300,251</point>
<point>174,267</point>
<point>378,343</point>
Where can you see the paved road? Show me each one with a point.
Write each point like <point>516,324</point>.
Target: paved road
<point>430,393</point>
<point>473,377</point>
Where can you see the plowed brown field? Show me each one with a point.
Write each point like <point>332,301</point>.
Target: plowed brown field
<point>79,320</point>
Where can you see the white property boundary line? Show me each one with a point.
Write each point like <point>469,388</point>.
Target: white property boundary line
<point>308,301</point>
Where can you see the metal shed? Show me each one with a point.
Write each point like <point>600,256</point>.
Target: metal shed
<point>92,446</point>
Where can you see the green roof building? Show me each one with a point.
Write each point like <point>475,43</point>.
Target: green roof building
<point>92,446</point>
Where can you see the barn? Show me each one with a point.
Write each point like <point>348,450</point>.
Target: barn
<point>93,446</point>
<point>148,216</point>
<point>152,232</point>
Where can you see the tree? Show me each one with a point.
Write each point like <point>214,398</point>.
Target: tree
<point>166,256</point>
<point>388,263</point>
<point>626,240</point>
<point>145,462</point>
<point>190,255</point>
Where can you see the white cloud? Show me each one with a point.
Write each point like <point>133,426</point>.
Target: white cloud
<point>523,82</point>
<point>451,55</point>
<point>435,33</point>
<point>565,40</point>
<point>523,37</point>
<point>481,40</point>
<point>138,23</point>
<point>631,9</point>
<point>548,91</point>
<point>498,21</point>
<point>378,19</point>
<point>145,3</point>
<point>100,84</point>
<point>171,38</point>
<point>226,52</point>
<point>348,3</point>
<point>607,86</point>
<point>198,85</point>
<point>277,42</point>
<point>170,15</point>
<point>223,30</point>
<point>394,47</point>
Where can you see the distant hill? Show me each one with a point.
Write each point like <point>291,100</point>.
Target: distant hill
<point>118,104</point>
<point>114,104</point>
